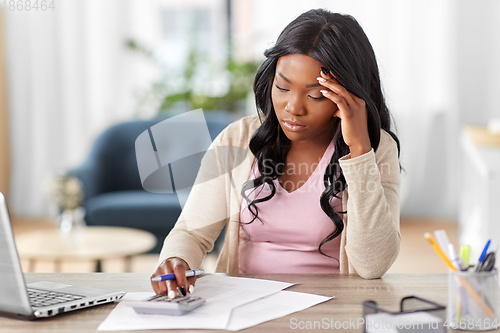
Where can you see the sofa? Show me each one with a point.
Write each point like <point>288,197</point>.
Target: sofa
<point>113,192</point>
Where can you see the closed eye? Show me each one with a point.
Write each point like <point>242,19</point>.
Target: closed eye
<point>317,98</point>
<point>281,89</point>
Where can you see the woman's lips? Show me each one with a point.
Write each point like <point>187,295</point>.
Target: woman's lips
<point>293,126</point>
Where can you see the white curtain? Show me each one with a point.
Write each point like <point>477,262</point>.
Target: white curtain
<point>70,76</point>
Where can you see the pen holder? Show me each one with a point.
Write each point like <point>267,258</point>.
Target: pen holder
<point>473,300</point>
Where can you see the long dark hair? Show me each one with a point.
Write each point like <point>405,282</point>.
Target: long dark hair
<point>340,44</point>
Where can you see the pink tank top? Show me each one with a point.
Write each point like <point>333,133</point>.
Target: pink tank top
<point>293,225</point>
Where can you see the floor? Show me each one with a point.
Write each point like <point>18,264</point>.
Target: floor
<point>416,255</point>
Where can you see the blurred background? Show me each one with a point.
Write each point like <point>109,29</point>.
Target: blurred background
<point>73,69</point>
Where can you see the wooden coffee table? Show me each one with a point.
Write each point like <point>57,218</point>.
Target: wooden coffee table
<point>94,243</point>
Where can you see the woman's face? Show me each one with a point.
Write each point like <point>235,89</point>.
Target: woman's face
<point>303,112</point>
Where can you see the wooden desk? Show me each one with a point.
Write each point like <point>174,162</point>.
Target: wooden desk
<point>349,292</point>
<point>95,243</point>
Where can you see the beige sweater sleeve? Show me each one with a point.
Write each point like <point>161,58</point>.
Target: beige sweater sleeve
<point>213,199</point>
<point>372,230</point>
<point>200,223</point>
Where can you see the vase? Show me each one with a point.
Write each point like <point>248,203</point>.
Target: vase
<point>72,225</point>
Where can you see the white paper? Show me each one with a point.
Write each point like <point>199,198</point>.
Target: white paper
<point>271,307</point>
<point>222,294</point>
<point>382,322</point>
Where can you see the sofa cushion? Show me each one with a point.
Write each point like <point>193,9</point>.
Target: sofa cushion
<point>139,209</point>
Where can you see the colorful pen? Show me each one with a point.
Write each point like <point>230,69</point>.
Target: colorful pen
<point>457,262</point>
<point>483,255</point>
<point>171,276</point>
<point>436,247</point>
<point>442,239</point>
<point>465,254</point>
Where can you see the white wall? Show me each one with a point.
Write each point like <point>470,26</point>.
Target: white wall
<point>478,67</point>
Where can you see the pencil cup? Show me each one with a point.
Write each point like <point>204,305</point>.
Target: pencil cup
<point>473,301</point>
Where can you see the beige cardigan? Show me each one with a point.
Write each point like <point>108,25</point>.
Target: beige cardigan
<point>370,240</point>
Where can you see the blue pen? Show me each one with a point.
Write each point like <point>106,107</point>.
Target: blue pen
<point>483,254</point>
<point>171,276</point>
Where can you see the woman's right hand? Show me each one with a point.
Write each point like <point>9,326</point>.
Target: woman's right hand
<point>169,287</point>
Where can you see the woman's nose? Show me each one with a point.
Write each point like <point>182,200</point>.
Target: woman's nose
<point>294,106</point>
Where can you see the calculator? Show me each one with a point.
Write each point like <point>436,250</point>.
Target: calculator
<point>161,304</point>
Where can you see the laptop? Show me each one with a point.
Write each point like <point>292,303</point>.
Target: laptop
<point>33,299</point>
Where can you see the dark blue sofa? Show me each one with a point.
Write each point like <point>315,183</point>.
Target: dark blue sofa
<point>113,192</point>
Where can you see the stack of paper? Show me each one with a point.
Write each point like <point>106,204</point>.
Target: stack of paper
<point>229,303</point>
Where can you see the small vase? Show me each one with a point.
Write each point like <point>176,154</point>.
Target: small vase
<point>72,225</point>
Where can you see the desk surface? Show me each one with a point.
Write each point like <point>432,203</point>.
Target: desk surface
<point>349,292</point>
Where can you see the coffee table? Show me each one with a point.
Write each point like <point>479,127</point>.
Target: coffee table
<point>95,243</point>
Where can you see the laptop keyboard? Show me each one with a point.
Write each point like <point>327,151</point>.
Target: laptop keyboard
<point>40,298</point>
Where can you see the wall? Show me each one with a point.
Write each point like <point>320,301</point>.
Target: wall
<point>478,67</point>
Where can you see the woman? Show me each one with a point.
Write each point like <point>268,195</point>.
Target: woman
<point>318,190</point>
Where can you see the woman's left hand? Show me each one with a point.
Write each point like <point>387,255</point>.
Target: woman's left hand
<point>352,114</point>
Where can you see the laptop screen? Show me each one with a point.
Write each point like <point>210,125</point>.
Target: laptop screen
<point>13,295</point>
